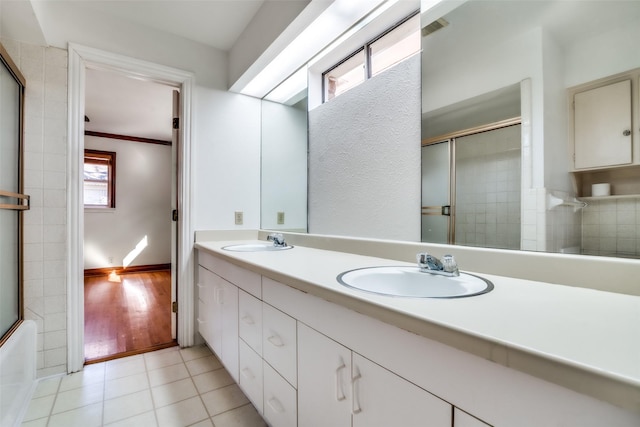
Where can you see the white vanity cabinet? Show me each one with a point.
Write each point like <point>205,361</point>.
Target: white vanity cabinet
<point>339,387</point>
<point>603,126</point>
<point>223,323</point>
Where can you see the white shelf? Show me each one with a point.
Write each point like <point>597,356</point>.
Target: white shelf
<point>612,197</point>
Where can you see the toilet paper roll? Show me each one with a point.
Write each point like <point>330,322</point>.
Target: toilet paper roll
<point>599,190</point>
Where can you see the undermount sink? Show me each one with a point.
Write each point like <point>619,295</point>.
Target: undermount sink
<point>413,282</point>
<point>256,247</point>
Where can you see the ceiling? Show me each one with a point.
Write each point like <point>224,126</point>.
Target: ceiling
<point>216,23</point>
<point>118,104</point>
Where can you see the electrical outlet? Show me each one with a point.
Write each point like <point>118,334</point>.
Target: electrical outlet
<point>280,217</point>
<point>239,216</point>
<point>110,260</point>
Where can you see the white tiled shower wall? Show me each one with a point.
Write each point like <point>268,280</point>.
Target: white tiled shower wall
<point>611,227</point>
<point>488,189</point>
<point>45,165</point>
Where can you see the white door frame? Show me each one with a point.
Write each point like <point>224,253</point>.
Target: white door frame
<point>81,57</point>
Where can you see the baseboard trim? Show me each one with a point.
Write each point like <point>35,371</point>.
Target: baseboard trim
<point>126,270</point>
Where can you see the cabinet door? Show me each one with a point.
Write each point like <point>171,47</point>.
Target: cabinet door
<point>462,419</point>
<point>602,119</point>
<point>324,389</point>
<point>229,304</point>
<point>205,301</point>
<point>214,314</point>
<point>381,398</point>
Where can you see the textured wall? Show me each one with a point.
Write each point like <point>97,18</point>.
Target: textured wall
<point>364,158</point>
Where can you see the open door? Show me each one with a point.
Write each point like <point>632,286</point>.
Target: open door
<point>175,141</point>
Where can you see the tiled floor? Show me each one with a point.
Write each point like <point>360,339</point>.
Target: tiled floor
<point>172,387</point>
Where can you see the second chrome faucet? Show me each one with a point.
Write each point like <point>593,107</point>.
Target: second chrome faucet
<point>430,264</point>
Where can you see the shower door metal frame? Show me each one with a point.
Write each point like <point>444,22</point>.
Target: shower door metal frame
<point>450,138</point>
<point>22,201</point>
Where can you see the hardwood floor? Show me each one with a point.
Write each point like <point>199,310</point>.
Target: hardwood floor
<point>129,317</point>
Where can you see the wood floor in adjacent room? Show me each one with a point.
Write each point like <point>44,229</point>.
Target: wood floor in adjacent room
<point>129,317</point>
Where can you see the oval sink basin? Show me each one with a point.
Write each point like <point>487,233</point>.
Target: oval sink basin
<point>255,247</point>
<point>411,282</point>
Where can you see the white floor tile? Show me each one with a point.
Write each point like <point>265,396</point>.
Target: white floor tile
<point>196,352</point>
<point>40,422</point>
<point>212,380</point>
<point>46,387</point>
<point>40,407</point>
<point>91,374</point>
<point>224,399</point>
<point>125,385</point>
<point>203,364</point>
<point>205,423</point>
<point>148,419</point>
<point>173,392</point>
<point>127,406</point>
<point>245,416</point>
<point>87,416</point>
<point>78,397</point>
<point>168,374</point>
<point>183,413</point>
<point>162,358</point>
<point>123,367</point>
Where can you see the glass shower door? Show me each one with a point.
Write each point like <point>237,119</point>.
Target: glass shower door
<point>436,205</point>
<point>12,202</point>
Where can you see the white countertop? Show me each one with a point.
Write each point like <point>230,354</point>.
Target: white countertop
<point>583,339</point>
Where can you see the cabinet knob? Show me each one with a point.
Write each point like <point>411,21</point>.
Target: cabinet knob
<point>626,132</point>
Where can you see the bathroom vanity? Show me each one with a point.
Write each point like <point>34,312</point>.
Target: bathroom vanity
<point>309,351</point>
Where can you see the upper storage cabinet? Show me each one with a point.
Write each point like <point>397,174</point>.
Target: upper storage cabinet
<point>604,134</point>
<point>603,126</point>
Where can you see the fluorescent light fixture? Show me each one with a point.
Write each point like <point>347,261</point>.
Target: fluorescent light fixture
<point>289,90</point>
<point>334,21</point>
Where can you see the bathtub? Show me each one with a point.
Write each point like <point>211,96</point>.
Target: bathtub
<point>17,373</point>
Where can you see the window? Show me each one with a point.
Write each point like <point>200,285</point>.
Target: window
<point>396,44</point>
<point>99,179</point>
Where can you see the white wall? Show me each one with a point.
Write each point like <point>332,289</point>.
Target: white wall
<point>284,166</point>
<point>364,158</point>
<point>227,160</point>
<point>143,207</point>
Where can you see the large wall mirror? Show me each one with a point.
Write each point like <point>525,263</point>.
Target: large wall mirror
<point>497,122</point>
<point>284,156</point>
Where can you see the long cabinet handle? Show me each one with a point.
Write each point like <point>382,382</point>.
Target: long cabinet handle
<point>340,396</point>
<point>16,207</point>
<point>355,397</point>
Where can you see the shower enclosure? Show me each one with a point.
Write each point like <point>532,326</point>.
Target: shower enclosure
<point>12,201</point>
<point>471,187</point>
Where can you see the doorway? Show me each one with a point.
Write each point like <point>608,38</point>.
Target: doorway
<point>129,194</point>
<point>471,187</point>
<point>80,59</point>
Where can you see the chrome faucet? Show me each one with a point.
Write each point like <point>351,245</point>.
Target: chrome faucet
<point>277,239</point>
<point>430,264</point>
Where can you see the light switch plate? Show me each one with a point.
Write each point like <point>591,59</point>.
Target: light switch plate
<point>239,217</point>
<point>280,218</point>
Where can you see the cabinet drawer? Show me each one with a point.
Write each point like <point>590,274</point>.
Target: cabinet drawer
<point>242,278</point>
<point>279,342</point>
<point>250,321</point>
<point>251,375</point>
<point>280,403</point>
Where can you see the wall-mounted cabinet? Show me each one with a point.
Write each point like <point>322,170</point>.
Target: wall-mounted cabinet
<point>605,133</point>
